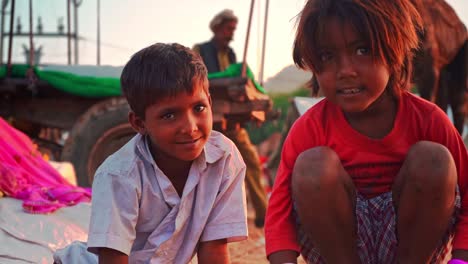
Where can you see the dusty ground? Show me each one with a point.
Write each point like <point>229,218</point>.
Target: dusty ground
<point>251,251</point>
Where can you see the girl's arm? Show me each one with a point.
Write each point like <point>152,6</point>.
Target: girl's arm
<point>215,252</point>
<point>108,256</point>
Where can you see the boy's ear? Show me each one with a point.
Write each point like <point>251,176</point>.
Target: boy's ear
<point>137,123</point>
<point>209,99</point>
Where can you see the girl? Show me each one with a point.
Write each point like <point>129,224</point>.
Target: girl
<point>372,173</point>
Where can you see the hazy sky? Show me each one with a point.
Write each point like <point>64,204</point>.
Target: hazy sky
<point>129,25</point>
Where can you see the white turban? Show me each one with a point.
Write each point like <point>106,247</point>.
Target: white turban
<point>225,15</point>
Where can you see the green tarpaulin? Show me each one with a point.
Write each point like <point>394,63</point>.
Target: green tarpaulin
<point>89,86</point>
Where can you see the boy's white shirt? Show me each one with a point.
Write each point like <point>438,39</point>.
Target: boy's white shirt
<point>136,209</point>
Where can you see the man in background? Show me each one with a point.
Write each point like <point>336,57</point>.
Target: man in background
<point>217,56</point>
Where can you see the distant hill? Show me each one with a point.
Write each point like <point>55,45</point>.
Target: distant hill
<point>288,79</point>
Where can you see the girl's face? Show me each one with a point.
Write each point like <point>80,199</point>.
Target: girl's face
<point>349,76</point>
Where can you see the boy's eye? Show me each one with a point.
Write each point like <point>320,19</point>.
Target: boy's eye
<point>362,51</point>
<point>168,116</point>
<point>200,108</point>
<point>325,56</point>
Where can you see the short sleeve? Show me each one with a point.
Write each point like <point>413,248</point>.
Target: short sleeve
<point>228,218</point>
<point>114,212</point>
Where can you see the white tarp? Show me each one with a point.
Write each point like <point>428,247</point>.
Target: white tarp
<point>32,238</point>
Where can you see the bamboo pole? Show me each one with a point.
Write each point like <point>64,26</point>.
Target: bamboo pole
<point>2,29</point>
<point>98,39</point>
<point>68,33</point>
<point>265,25</point>
<point>244,59</point>
<point>10,41</point>
<point>31,41</point>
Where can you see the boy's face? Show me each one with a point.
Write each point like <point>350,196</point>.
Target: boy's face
<point>178,127</point>
<point>349,76</point>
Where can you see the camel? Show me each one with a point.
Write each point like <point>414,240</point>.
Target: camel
<point>441,63</point>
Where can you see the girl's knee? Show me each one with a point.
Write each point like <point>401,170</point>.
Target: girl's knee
<point>431,163</point>
<point>315,168</point>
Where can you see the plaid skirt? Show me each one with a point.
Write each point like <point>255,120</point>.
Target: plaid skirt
<point>376,229</point>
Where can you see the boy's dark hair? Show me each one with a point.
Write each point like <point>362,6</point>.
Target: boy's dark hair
<point>159,71</point>
<point>389,26</point>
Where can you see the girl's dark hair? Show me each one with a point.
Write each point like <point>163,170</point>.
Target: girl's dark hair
<point>389,26</point>
<point>159,71</point>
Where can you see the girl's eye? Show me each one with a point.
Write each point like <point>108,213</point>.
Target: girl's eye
<point>200,108</point>
<point>168,116</point>
<point>362,51</point>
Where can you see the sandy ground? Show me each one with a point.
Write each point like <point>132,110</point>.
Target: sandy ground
<point>252,250</point>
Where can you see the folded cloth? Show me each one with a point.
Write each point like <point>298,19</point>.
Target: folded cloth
<point>25,175</point>
<point>75,253</point>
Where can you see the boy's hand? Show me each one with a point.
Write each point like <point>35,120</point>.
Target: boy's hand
<point>284,256</point>
<point>108,256</point>
<point>215,252</point>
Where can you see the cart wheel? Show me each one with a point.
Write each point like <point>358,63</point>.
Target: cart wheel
<point>99,132</point>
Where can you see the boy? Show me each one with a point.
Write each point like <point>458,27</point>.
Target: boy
<point>175,189</point>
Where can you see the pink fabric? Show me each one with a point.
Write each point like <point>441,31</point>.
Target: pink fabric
<point>25,175</point>
<point>457,261</point>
